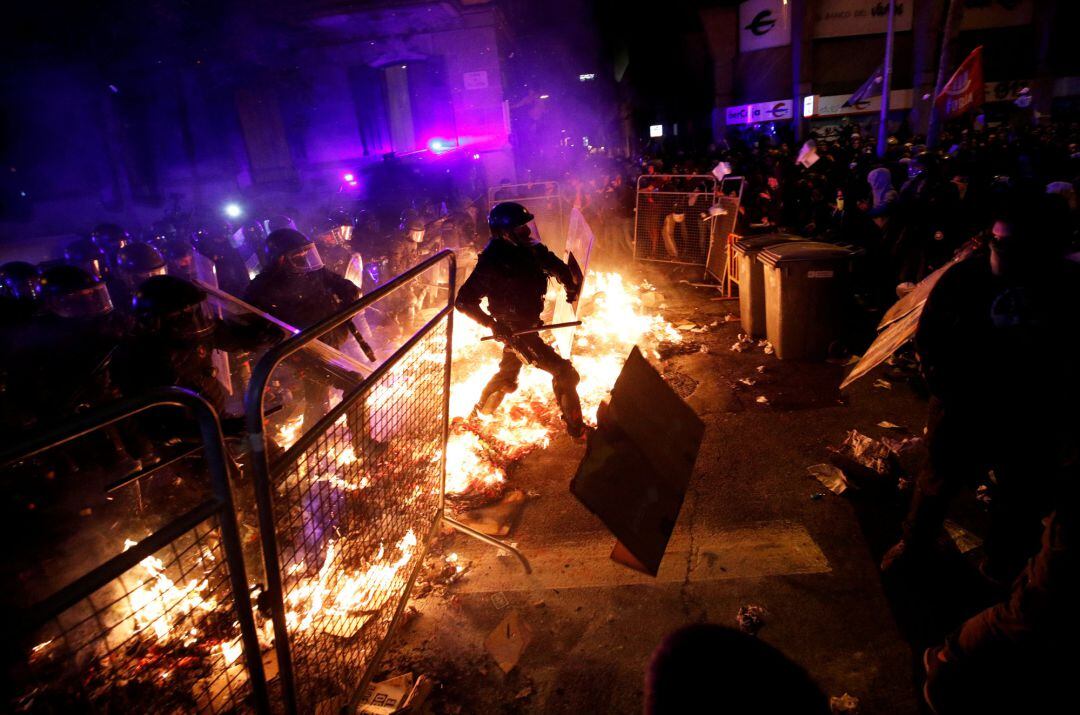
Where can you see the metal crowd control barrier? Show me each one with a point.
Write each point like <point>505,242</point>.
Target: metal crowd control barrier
<point>672,220</point>
<point>347,511</point>
<point>166,625</point>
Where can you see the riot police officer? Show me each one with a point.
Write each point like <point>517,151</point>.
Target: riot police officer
<point>297,288</point>
<point>86,254</point>
<point>512,273</point>
<point>213,243</point>
<point>135,263</point>
<point>174,338</point>
<point>334,242</point>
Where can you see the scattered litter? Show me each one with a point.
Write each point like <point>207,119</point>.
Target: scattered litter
<point>963,539</point>
<point>499,600</point>
<point>853,360</point>
<point>386,697</point>
<point>983,495</point>
<point>731,318</point>
<point>523,693</point>
<point>769,348</point>
<point>699,329</point>
<point>910,454</point>
<point>704,348</point>
<point>747,381</point>
<point>889,425</point>
<point>831,476</point>
<point>760,368</point>
<point>685,326</point>
<point>743,343</point>
<point>816,496</point>
<point>867,452</point>
<point>502,553</point>
<point>751,618</point>
<point>844,704</point>
<point>883,384</point>
<point>762,400</point>
<point>508,641</point>
<point>714,324</point>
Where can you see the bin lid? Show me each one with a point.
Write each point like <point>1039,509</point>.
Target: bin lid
<point>796,251</point>
<point>753,244</point>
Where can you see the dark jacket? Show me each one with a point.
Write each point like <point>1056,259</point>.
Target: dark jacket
<point>514,280</point>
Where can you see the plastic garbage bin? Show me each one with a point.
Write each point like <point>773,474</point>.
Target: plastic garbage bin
<point>752,279</point>
<point>807,290</point>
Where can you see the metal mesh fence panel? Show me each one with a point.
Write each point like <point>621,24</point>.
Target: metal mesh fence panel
<point>153,613</point>
<point>355,497</point>
<point>160,637</point>
<point>672,219</point>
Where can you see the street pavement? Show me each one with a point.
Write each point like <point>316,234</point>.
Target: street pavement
<point>755,528</point>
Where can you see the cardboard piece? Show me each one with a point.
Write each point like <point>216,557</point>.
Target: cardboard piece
<point>638,462</point>
<point>885,344</point>
<point>386,697</point>
<point>508,641</point>
<point>496,519</point>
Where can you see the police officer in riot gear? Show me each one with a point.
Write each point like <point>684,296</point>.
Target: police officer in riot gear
<point>213,243</point>
<point>334,242</point>
<point>512,273</point>
<point>86,254</point>
<point>173,340</point>
<point>179,258</point>
<point>296,287</point>
<point>135,263</point>
<point>57,363</point>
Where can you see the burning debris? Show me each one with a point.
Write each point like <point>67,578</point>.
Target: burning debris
<point>616,316</point>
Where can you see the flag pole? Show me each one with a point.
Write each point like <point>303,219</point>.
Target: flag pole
<point>954,13</point>
<point>886,85</point>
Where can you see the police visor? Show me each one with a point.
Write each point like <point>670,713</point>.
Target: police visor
<point>84,303</point>
<point>304,259</point>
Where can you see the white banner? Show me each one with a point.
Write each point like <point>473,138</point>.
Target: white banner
<point>778,110</point>
<point>840,18</point>
<point>982,14</point>
<point>833,105</point>
<point>764,23</point>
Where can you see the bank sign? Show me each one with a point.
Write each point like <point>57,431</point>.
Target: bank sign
<point>764,23</point>
<point>761,112</point>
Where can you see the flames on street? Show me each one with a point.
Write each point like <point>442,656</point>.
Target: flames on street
<point>614,319</point>
<point>172,624</point>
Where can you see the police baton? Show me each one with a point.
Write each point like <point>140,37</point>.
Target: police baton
<point>538,329</point>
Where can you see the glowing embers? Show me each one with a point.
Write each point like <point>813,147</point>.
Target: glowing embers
<point>481,447</point>
<point>341,598</point>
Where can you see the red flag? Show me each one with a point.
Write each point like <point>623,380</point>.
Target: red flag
<point>964,90</point>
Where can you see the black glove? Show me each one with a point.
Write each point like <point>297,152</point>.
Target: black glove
<point>501,331</point>
<point>572,294</point>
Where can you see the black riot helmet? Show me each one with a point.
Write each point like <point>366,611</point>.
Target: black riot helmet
<point>337,230</point>
<point>172,307</point>
<point>20,282</point>
<point>84,253</point>
<point>136,262</point>
<point>179,258</point>
<point>110,236</point>
<point>505,218</point>
<point>71,292</point>
<point>292,251</point>
<point>412,226</point>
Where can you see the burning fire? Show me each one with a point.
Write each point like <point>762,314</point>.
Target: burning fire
<point>615,318</point>
<point>342,598</point>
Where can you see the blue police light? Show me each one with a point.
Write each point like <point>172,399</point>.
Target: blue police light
<point>440,146</point>
<point>233,210</point>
